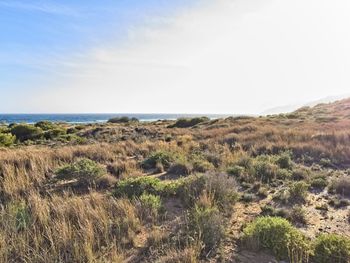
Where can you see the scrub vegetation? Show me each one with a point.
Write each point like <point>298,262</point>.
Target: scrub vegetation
<point>241,189</point>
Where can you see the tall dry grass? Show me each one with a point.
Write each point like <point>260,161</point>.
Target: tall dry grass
<point>68,228</point>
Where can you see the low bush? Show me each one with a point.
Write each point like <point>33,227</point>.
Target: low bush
<point>164,158</point>
<point>298,192</point>
<point>325,162</point>
<point>214,158</point>
<point>283,174</point>
<point>181,168</point>
<point>263,192</point>
<point>149,206</point>
<point>265,171</point>
<point>25,132</point>
<point>20,214</point>
<point>136,186</point>
<point>331,248</point>
<point>54,133</point>
<point>339,202</point>
<point>206,225</point>
<point>222,188</point>
<point>299,174</point>
<point>269,210</point>
<point>202,166</point>
<point>341,186</point>
<point>298,215</point>
<point>236,171</point>
<point>122,120</point>
<point>45,125</point>
<point>123,168</point>
<point>186,123</point>
<point>284,160</point>
<point>319,182</point>
<point>83,170</point>
<point>6,139</point>
<point>106,181</point>
<point>247,198</point>
<point>279,236</point>
<point>72,130</point>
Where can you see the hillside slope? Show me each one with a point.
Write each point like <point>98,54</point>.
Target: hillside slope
<point>239,189</point>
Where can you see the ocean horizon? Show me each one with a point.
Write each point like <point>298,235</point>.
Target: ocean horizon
<point>86,118</point>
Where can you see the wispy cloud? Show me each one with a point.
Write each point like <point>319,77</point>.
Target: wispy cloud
<point>39,6</point>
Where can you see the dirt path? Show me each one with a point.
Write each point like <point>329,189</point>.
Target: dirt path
<point>241,215</point>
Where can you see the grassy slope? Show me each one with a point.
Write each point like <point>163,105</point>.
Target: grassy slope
<point>45,219</point>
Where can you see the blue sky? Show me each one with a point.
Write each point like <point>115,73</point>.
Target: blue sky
<point>183,56</point>
<point>36,34</point>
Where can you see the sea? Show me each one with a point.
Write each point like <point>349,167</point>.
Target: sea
<point>87,118</point>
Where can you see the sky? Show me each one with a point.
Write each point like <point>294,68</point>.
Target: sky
<point>179,56</point>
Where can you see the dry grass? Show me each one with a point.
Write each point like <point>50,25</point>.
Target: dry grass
<point>67,228</point>
<point>42,220</point>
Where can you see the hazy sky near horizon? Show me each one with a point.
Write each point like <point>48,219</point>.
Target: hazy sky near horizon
<point>183,56</point>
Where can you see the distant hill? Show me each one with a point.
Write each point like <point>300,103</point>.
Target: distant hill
<point>335,110</point>
<point>291,108</point>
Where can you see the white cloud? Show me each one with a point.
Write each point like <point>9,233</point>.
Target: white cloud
<point>39,6</point>
<point>224,56</point>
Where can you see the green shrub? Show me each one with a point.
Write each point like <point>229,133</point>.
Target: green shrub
<point>332,248</point>
<point>247,198</point>
<point>71,138</point>
<point>45,125</point>
<point>319,182</point>
<point>277,235</point>
<point>339,202</point>
<point>325,162</point>
<point>72,130</point>
<point>159,157</point>
<point>6,139</point>
<point>298,192</point>
<point>135,187</point>
<point>206,224</point>
<point>122,120</point>
<point>214,158</point>
<point>202,166</point>
<point>54,133</point>
<point>235,170</point>
<point>246,162</point>
<point>322,207</point>
<point>301,174</point>
<point>186,123</point>
<point>275,212</point>
<point>84,170</point>
<point>283,174</point>
<point>284,160</point>
<point>181,168</point>
<point>298,215</point>
<point>25,132</point>
<point>222,188</point>
<point>265,171</point>
<point>341,186</point>
<point>263,192</point>
<point>19,212</point>
<point>149,206</point>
